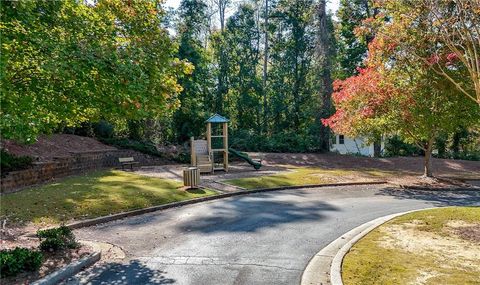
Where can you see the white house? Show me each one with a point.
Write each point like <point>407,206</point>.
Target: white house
<point>346,145</point>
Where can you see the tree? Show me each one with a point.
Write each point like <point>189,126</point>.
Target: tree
<point>397,93</point>
<point>325,53</point>
<point>456,33</point>
<point>352,49</point>
<point>265,64</point>
<point>66,62</point>
<point>219,46</point>
<point>189,118</point>
<point>243,54</point>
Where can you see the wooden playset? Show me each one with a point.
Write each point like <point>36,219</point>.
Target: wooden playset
<point>211,156</point>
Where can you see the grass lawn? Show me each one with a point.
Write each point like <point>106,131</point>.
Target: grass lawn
<point>92,195</point>
<point>439,246</point>
<point>305,176</point>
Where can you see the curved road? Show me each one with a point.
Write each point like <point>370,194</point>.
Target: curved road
<point>265,238</point>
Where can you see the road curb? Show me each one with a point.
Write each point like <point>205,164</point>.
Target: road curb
<point>440,189</point>
<point>325,267</point>
<point>109,218</point>
<point>113,217</point>
<point>69,270</point>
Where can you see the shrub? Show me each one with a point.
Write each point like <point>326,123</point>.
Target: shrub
<point>10,162</point>
<point>103,129</point>
<point>57,238</point>
<point>141,146</point>
<point>14,261</point>
<point>277,142</point>
<point>395,146</point>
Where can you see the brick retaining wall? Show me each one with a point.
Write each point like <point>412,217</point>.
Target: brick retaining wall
<point>75,164</point>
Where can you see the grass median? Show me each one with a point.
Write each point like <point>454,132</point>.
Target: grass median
<point>439,246</point>
<point>92,195</point>
<point>307,176</point>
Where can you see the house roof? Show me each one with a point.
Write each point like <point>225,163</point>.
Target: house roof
<point>217,119</point>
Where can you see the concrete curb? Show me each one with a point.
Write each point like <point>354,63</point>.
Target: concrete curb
<point>325,267</point>
<point>440,189</point>
<point>69,270</point>
<point>109,218</point>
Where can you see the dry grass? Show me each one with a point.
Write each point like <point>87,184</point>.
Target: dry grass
<point>418,248</point>
<point>314,175</point>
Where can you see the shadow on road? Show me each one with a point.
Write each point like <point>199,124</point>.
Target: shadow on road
<point>133,272</point>
<point>438,198</point>
<point>249,214</point>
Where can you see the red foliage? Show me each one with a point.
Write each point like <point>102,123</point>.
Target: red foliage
<point>434,58</point>
<point>357,98</point>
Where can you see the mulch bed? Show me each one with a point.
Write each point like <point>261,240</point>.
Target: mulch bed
<point>47,148</point>
<point>413,165</point>
<point>10,238</point>
<point>427,183</point>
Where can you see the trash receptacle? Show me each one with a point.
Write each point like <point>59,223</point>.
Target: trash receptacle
<point>191,177</point>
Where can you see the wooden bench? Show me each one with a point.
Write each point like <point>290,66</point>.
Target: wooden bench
<point>125,161</point>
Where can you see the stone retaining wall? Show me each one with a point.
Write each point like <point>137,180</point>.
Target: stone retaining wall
<point>75,164</point>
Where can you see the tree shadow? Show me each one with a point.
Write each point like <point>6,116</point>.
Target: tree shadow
<point>438,198</point>
<point>133,272</point>
<point>250,214</point>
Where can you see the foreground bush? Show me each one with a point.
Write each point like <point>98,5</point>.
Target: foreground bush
<point>57,239</point>
<point>15,261</point>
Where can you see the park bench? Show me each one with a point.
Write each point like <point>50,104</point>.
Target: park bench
<point>126,161</point>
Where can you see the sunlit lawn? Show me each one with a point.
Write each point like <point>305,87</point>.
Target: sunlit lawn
<point>418,248</point>
<point>308,176</point>
<point>92,195</point>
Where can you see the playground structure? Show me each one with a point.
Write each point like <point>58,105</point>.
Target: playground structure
<point>204,156</point>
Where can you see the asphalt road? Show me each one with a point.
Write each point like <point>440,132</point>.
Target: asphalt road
<point>265,238</point>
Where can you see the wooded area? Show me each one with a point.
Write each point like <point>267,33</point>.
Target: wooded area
<point>134,69</point>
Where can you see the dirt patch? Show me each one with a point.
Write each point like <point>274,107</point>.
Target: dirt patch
<point>452,251</point>
<point>471,233</point>
<point>46,148</point>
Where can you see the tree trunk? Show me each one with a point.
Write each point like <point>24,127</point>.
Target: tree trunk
<point>427,163</point>
<point>324,64</point>
<point>377,148</point>
<point>265,64</point>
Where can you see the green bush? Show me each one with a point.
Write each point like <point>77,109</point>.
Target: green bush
<point>140,146</point>
<point>278,142</point>
<point>14,261</point>
<point>395,146</point>
<point>10,162</point>
<point>144,147</point>
<point>103,129</point>
<point>57,239</point>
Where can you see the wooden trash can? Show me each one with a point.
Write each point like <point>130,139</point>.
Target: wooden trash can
<point>191,177</point>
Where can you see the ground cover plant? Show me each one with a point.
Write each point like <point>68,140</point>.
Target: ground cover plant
<point>439,246</point>
<point>57,238</point>
<point>14,261</point>
<point>91,195</point>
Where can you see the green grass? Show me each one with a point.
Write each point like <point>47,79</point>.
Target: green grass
<point>306,176</point>
<point>92,195</point>
<point>368,262</point>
